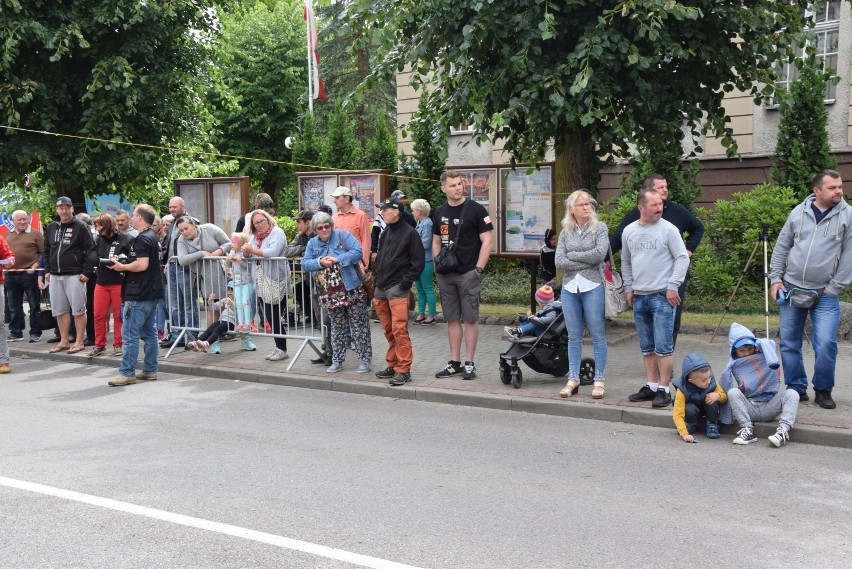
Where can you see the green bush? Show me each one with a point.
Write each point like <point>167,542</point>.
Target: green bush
<point>506,281</point>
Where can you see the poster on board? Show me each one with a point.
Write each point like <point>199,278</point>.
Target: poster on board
<point>365,191</point>
<point>316,190</point>
<point>527,207</point>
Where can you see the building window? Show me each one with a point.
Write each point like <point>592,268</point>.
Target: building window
<point>463,128</point>
<point>826,32</point>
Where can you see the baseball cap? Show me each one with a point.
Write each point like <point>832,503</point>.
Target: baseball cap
<point>341,191</point>
<point>397,195</point>
<point>64,201</point>
<point>389,203</point>
<point>744,342</point>
<point>325,209</point>
<point>305,215</point>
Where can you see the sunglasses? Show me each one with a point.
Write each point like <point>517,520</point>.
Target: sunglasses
<point>323,227</point>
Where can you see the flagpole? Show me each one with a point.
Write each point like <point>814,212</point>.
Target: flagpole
<point>309,12</point>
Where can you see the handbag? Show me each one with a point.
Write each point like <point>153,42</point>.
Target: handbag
<point>46,319</point>
<point>331,290</point>
<point>799,297</point>
<point>270,290</point>
<point>367,278</point>
<point>447,261</point>
<point>615,301</point>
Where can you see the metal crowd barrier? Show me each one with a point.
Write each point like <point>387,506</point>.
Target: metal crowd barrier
<point>298,316</point>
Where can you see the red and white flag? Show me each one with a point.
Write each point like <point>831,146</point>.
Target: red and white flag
<point>313,56</point>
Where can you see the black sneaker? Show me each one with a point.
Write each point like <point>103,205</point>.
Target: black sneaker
<point>385,373</point>
<point>662,398</point>
<point>469,371</point>
<point>803,396</point>
<point>400,378</point>
<point>34,339</point>
<point>16,338</point>
<point>823,399</point>
<point>644,394</point>
<point>453,368</point>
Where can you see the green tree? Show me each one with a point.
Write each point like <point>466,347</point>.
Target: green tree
<point>587,76</point>
<point>263,71</point>
<point>347,61</point>
<point>341,150</point>
<point>308,146</point>
<point>802,149</point>
<point>430,156</point>
<point>122,70</point>
<point>666,159</point>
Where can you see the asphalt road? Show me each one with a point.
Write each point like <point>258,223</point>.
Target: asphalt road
<point>194,472</point>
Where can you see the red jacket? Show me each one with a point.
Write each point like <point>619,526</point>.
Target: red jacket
<point>5,253</point>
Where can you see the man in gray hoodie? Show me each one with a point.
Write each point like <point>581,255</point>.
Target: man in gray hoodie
<point>813,257</point>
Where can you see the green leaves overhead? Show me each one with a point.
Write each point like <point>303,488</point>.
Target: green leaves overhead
<point>619,72</point>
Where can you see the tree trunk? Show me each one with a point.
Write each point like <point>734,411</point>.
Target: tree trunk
<point>577,167</point>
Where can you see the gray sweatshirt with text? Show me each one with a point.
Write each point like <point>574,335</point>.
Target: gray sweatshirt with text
<point>653,257</point>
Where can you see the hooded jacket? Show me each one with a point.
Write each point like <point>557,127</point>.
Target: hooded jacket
<point>756,375</point>
<point>401,256</point>
<point>69,248</point>
<point>688,393</point>
<point>815,255</point>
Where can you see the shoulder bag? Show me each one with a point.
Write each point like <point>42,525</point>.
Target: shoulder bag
<point>367,278</point>
<point>616,303</point>
<point>447,262</point>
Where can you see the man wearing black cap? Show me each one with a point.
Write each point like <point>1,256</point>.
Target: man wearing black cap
<point>69,252</point>
<point>399,262</point>
<point>379,224</point>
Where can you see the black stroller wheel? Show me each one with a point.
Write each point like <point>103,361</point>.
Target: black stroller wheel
<point>505,372</point>
<point>517,378</point>
<point>587,371</point>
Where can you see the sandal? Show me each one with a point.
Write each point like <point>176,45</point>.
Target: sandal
<point>570,388</point>
<point>427,321</point>
<point>75,349</point>
<point>57,349</point>
<point>598,390</point>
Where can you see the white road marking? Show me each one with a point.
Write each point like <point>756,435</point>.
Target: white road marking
<point>189,521</point>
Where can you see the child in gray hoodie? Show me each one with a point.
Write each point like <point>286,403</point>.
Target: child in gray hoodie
<point>754,388</point>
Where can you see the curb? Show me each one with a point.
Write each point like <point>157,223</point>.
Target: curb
<point>614,413</point>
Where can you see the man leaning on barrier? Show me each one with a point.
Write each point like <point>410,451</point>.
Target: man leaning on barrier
<point>182,313</point>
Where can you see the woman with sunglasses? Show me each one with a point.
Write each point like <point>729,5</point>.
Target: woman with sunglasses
<point>331,257</point>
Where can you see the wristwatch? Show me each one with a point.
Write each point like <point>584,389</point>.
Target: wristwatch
<point>478,270</point>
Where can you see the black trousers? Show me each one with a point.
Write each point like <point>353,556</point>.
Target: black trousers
<point>215,330</point>
<point>694,412</point>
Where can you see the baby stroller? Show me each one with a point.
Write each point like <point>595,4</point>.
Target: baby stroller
<point>547,353</point>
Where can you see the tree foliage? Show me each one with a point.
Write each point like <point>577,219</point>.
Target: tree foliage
<point>342,150</point>
<point>666,159</point>
<point>261,64</point>
<point>588,76</point>
<point>122,70</point>
<point>347,59</point>
<point>802,149</point>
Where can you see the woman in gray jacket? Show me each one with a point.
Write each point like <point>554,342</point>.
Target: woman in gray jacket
<point>195,244</point>
<point>580,253</point>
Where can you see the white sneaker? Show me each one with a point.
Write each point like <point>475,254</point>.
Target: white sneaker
<point>277,355</point>
<point>780,437</point>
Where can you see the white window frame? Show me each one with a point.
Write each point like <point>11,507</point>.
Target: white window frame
<point>823,28</point>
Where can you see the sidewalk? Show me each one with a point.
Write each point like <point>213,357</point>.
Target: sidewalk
<point>539,393</point>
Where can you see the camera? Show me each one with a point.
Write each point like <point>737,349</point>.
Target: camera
<point>110,262</point>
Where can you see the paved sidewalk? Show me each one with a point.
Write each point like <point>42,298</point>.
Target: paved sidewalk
<point>539,393</point>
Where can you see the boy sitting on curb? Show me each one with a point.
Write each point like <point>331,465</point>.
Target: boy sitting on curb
<point>697,394</point>
<point>754,387</point>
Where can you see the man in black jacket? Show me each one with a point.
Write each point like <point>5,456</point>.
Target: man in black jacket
<point>677,215</point>
<point>399,262</point>
<point>69,252</point>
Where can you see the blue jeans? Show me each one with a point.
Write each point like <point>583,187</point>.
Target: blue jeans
<point>183,298</point>
<point>530,328</point>
<point>140,318</point>
<point>589,307</point>
<point>18,285</point>
<point>825,318</point>
<point>654,319</point>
